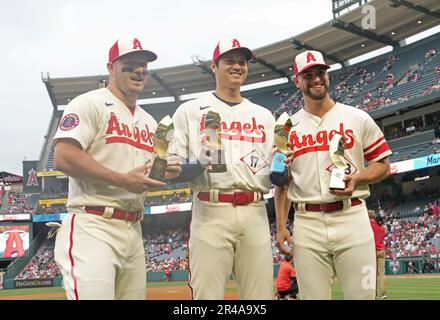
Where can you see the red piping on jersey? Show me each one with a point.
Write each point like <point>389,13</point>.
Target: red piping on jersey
<point>377,152</point>
<point>241,137</point>
<point>374,144</point>
<point>310,149</point>
<point>135,144</point>
<point>72,263</point>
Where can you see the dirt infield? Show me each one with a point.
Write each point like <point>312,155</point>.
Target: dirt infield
<point>179,293</point>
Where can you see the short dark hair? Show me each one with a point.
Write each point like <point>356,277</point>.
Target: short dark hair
<point>288,257</point>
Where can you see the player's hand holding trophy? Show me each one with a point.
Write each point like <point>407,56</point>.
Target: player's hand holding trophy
<point>336,150</point>
<point>281,137</point>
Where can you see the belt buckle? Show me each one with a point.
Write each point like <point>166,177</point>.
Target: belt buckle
<point>239,198</point>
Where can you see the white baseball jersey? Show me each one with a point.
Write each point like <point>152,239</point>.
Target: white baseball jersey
<point>310,138</point>
<point>247,137</point>
<point>114,137</point>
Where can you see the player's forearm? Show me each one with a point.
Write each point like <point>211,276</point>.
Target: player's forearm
<point>375,172</point>
<point>79,165</point>
<point>282,205</point>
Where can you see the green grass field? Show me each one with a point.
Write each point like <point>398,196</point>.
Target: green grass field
<point>425,287</point>
<point>409,288</point>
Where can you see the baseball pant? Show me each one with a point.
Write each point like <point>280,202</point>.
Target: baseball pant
<point>225,239</point>
<point>381,289</point>
<point>100,258</point>
<point>339,243</point>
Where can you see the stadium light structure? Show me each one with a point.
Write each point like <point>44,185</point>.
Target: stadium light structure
<point>398,3</point>
<point>165,86</point>
<point>352,28</point>
<point>339,6</point>
<point>272,68</point>
<point>199,61</point>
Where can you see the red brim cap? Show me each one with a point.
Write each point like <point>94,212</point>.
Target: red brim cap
<point>229,45</point>
<point>123,47</point>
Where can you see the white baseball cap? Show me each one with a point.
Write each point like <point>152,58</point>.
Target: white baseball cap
<point>124,46</point>
<point>227,45</point>
<point>308,59</point>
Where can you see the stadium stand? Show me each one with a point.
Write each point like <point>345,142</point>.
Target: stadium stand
<point>54,208</point>
<point>166,251</point>
<point>42,264</point>
<point>414,151</point>
<point>379,82</point>
<point>20,203</point>
<point>176,196</point>
<point>3,200</point>
<point>409,208</point>
<point>46,159</point>
<point>412,237</point>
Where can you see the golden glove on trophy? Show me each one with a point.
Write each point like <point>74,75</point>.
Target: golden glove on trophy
<point>213,131</point>
<point>336,150</point>
<point>281,137</point>
<point>161,141</point>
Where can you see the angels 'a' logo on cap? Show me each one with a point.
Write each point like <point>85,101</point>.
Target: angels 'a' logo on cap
<point>235,43</point>
<point>226,45</point>
<point>310,57</point>
<point>69,121</point>
<point>137,44</point>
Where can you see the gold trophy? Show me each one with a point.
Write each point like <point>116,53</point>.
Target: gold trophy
<point>213,131</point>
<point>336,150</point>
<point>161,141</point>
<point>281,137</point>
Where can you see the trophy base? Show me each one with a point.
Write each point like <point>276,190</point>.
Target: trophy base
<point>337,179</point>
<point>218,168</point>
<point>221,165</point>
<point>157,171</point>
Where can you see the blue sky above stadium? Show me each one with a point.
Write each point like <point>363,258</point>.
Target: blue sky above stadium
<point>71,38</point>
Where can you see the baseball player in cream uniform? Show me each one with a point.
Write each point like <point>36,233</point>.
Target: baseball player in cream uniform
<point>332,233</point>
<point>229,230</point>
<point>105,144</point>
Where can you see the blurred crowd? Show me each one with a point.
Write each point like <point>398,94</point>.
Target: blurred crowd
<point>41,266</point>
<point>413,236</point>
<point>19,203</point>
<point>166,251</point>
<point>349,86</point>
